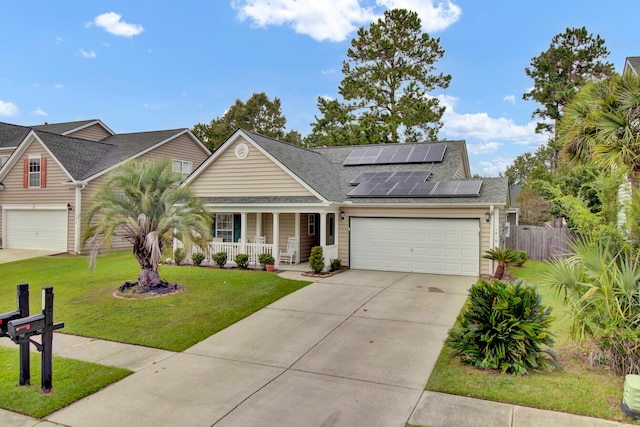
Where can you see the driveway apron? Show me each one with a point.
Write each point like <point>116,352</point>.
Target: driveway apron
<point>352,349</point>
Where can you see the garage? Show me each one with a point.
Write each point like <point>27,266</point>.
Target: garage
<point>416,245</point>
<point>44,229</point>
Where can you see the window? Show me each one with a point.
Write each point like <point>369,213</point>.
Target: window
<point>312,225</point>
<point>182,167</point>
<point>34,172</point>
<point>224,227</point>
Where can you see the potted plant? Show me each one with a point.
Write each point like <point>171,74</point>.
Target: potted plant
<point>267,261</point>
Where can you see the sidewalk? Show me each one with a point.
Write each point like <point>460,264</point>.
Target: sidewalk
<point>354,349</point>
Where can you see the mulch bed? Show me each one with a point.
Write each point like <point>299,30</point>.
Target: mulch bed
<point>324,273</point>
<point>130,290</point>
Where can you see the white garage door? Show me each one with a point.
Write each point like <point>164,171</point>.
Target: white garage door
<point>418,245</point>
<point>36,229</point>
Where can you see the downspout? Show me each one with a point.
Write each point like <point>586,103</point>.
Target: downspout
<point>78,216</point>
<point>492,235</point>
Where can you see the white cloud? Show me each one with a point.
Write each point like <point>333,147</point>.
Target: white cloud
<point>39,112</point>
<point>483,148</point>
<point>510,98</point>
<point>334,20</point>
<point>58,86</point>
<point>112,23</point>
<point>8,109</point>
<point>59,40</point>
<point>485,128</point>
<point>434,17</point>
<point>495,166</point>
<point>87,54</point>
<point>329,71</point>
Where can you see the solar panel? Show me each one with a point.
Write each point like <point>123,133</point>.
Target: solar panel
<point>363,177</point>
<point>400,176</point>
<point>399,153</point>
<point>468,188</point>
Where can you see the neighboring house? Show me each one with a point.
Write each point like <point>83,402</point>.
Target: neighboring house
<point>53,169</point>
<point>395,207</point>
<point>631,65</point>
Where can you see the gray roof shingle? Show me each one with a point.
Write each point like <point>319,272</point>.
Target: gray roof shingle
<point>323,170</point>
<point>61,128</point>
<point>12,135</point>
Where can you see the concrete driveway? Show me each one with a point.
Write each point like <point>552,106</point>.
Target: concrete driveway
<point>9,255</point>
<point>354,349</point>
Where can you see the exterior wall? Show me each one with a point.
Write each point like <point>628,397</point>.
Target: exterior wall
<point>307,241</point>
<point>453,212</point>
<point>227,176</point>
<point>55,192</point>
<point>181,148</point>
<point>287,229</point>
<point>92,133</point>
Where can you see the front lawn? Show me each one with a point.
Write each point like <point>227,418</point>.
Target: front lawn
<point>72,380</point>
<point>213,299</point>
<point>578,388</point>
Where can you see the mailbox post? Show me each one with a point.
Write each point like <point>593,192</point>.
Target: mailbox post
<point>22,301</point>
<point>20,330</point>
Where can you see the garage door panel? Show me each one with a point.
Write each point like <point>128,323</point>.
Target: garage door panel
<point>36,229</point>
<point>438,246</point>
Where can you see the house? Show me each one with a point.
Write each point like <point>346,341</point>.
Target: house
<point>50,171</point>
<point>395,207</point>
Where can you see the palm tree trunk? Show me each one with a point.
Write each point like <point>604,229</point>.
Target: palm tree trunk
<point>499,271</point>
<point>148,278</point>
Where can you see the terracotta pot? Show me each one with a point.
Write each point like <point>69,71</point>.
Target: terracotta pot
<point>270,267</point>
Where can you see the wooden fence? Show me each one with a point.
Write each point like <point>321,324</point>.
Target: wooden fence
<point>540,243</point>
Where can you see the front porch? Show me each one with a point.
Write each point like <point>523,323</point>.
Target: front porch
<point>255,233</point>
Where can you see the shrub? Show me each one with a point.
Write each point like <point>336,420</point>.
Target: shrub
<point>178,255</point>
<point>522,258</point>
<point>220,258</point>
<point>266,258</point>
<point>336,264</point>
<point>197,258</point>
<point>242,260</point>
<point>316,259</point>
<point>504,327</point>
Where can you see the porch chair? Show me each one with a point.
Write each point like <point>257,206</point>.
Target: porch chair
<point>289,255</point>
<point>260,239</point>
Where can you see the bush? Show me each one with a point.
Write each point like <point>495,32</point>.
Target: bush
<point>504,327</point>
<point>178,255</point>
<point>503,257</point>
<point>316,259</point>
<point>266,258</point>
<point>522,258</point>
<point>242,260</point>
<point>197,259</point>
<point>336,264</point>
<point>220,258</point>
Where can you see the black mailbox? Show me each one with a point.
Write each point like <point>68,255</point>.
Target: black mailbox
<point>5,318</point>
<point>26,327</point>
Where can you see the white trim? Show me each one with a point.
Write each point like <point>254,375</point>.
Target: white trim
<point>34,207</point>
<point>79,128</point>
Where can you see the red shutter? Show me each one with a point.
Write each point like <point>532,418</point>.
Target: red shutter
<point>25,179</point>
<point>43,172</point>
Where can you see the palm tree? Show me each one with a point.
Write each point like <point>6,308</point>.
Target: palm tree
<point>143,203</point>
<point>503,257</point>
<point>602,124</point>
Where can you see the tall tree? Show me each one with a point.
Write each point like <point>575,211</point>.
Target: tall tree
<point>388,76</point>
<point>259,114</point>
<point>573,58</point>
<point>143,203</point>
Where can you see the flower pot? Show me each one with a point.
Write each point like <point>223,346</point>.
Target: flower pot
<point>270,267</point>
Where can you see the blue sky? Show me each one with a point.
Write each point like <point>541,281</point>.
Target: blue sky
<point>149,65</point>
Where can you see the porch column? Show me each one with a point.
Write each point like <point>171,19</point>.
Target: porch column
<point>297,236</point>
<point>243,232</point>
<point>276,237</point>
<point>258,223</point>
<point>323,235</point>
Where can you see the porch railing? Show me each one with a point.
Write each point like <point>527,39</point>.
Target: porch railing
<point>254,250</point>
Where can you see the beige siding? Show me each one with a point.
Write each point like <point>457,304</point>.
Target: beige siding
<point>92,133</point>
<point>181,148</point>
<point>256,175</point>
<point>287,229</point>
<point>55,192</point>
<point>343,226</point>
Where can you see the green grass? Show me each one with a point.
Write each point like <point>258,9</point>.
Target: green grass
<point>72,380</point>
<point>578,388</point>
<point>213,299</point>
